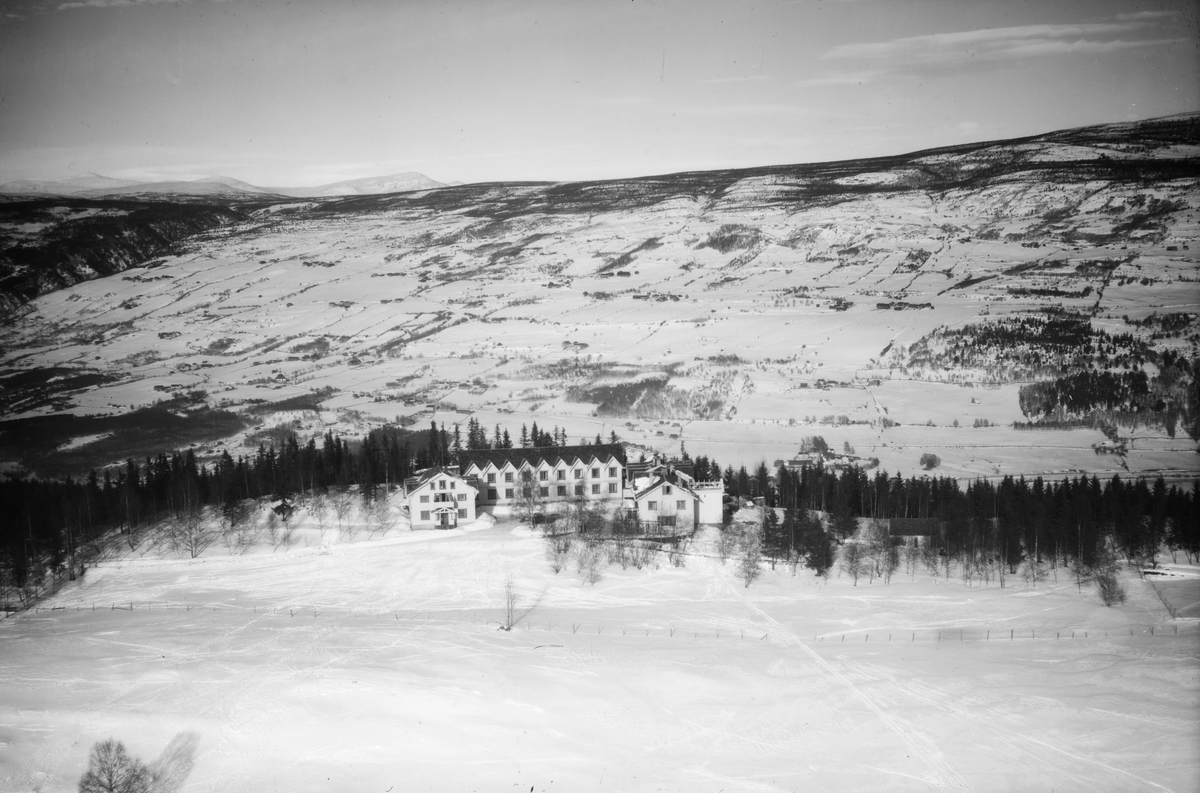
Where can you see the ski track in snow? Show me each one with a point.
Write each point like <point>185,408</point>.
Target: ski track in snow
<point>945,776</point>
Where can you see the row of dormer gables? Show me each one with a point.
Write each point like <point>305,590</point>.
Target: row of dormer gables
<point>605,467</point>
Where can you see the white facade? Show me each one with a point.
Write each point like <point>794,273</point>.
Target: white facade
<point>668,505</point>
<point>506,477</point>
<point>438,498</point>
<point>708,497</point>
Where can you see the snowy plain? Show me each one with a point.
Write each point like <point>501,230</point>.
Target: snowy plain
<point>377,663</point>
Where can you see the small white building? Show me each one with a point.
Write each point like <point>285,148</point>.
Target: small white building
<point>440,498</point>
<point>666,496</point>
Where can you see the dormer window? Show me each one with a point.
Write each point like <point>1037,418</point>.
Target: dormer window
<point>666,490</point>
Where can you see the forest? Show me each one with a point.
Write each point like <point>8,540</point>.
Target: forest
<point>51,529</point>
<point>1111,379</point>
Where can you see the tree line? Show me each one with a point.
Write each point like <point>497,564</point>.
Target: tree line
<point>45,524</point>
<point>1082,522</point>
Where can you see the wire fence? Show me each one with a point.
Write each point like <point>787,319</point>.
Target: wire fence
<point>499,618</point>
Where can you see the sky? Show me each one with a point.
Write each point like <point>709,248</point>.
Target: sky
<point>309,92</point>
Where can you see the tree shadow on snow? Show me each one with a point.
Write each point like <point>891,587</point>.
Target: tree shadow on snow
<point>172,767</point>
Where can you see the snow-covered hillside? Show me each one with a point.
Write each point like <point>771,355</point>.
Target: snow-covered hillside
<point>773,304</point>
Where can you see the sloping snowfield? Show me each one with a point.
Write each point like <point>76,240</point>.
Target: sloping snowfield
<point>379,666</point>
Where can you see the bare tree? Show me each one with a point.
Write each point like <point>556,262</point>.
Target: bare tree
<point>677,553</point>
<point>513,613</point>
<point>590,559</point>
<point>750,564</point>
<point>317,506</point>
<point>929,557</point>
<point>112,770</point>
<point>1112,592</point>
<point>190,533</point>
<point>852,559</point>
<point>528,503</point>
<point>558,550</point>
<point>880,556</point>
<point>343,503</point>
<point>726,543</point>
<point>381,513</point>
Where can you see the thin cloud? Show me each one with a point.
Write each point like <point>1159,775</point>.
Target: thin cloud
<point>842,78</point>
<point>997,44</point>
<point>749,78</point>
<point>759,109</point>
<point>614,101</point>
<point>113,3</point>
<point>1139,16</point>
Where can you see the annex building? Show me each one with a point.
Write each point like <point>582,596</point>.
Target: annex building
<point>666,497</point>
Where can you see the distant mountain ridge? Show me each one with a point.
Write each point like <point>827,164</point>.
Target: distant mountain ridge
<point>98,186</point>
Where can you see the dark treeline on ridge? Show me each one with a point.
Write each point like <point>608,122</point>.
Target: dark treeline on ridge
<point>48,526</point>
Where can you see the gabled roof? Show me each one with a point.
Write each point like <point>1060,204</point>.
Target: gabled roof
<point>553,455</point>
<point>421,477</point>
<point>664,480</point>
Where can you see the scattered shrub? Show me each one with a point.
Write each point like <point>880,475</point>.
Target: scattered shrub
<point>1112,592</point>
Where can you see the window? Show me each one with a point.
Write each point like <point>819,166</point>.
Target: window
<point>424,499</point>
<point>562,490</point>
<point>462,496</point>
<point>579,473</point>
<point>462,513</point>
<point>595,490</point>
<point>612,487</point>
<point>543,492</point>
<point>562,475</point>
<point>491,479</point>
<point>491,494</point>
<point>579,490</point>
<point>666,490</point>
<point>451,484</point>
<point>680,505</point>
<point>652,506</point>
<point>424,514</point>
<point>595,473</point>
<point>442,484</point>
<point>527,492</point>
<point>666,520</point>
<point>543,476</point>
<point>612,473</point>
<point>526,476</point>
<point>508,492</point>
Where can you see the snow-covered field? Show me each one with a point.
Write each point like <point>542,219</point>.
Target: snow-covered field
<point>377,665</point>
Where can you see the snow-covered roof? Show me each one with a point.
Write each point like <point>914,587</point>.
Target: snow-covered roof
<point>551,455</point>
<point>667,479</point>
<point>421,478</point>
